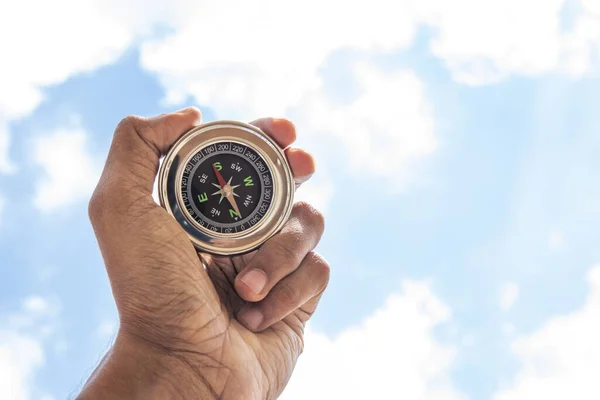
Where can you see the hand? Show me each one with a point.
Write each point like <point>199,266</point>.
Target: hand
<point>194,325</point>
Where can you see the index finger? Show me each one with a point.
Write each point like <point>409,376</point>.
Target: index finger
<point>281,130</point>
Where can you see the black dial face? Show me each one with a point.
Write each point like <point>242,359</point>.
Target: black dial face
<point>227,187</point>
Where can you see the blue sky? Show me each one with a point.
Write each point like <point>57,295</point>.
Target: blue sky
<point>458,166</point>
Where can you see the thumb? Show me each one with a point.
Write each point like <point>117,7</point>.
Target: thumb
<point>150,261</point>
<point>124,192</point>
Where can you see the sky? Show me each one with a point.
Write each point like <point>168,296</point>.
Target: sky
<point>458,154</point>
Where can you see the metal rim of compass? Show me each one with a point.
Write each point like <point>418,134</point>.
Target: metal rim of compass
<point>170,178</point>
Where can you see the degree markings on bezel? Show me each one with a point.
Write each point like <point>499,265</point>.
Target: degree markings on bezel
<point>260,177</point>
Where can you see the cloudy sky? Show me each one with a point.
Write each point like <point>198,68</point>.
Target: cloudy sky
<point>458,152</point>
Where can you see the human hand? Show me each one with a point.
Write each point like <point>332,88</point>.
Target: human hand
<point>194,325</point>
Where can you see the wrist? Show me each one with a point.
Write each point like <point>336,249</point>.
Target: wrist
<point>135,370</point>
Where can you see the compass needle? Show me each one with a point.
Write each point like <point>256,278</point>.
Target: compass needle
<point>231,199</point>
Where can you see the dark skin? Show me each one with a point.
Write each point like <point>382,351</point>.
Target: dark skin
<point>194,325</point>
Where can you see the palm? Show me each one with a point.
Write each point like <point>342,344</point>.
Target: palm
<point>268,349</point>
<point>210,331</point>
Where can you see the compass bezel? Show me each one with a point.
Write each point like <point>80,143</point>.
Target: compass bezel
<point>180,179</point>
<point>171,174</point>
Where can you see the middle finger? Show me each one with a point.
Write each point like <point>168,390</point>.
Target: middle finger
<point>281,254</point>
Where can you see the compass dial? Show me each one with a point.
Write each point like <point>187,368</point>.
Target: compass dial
<point>227,187</point>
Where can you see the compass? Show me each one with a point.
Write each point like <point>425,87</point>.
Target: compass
<point>228,185</point>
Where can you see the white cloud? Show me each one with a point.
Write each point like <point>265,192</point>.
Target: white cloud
<point>509,295</point>
<point>51,53</point>
<point>265,46</point>
<point>583,43</point>
<point>392,354</point>
<point>258,68</point>
<point>20,356</point>
<point>484,41</point>
<point>562,359</point>
<point>266,61</point>
<point>36,304</point>
<point>6,166</point>
<point>62,45</point>
<point>21,349</point>
<point>318,193</point>
<point>265,58</point>
<point>69,171</point>
<point>268,52</point>
<point>385,131</point>
<point>556,240</point>
<point>251,71</point>
<point>524,37</point>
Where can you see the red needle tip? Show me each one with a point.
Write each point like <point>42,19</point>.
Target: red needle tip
<point>222,182</point>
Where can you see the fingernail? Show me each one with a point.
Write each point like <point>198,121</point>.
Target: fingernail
<point>255,280</point>
<point>185,110</point>
<point>301,179</point>
<point>251,318</point>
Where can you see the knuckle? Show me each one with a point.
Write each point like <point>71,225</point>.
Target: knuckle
<point>132,126</point>
<point>288,295</point>
<point>109,202</point>
<point>133,130</point>
<point>96,206</point>
<point>285,252</point>
<point>311,215</point>
<point>321,270</point>
<point>129,123</point>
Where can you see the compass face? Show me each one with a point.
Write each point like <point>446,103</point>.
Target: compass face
<point>227,187</point>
